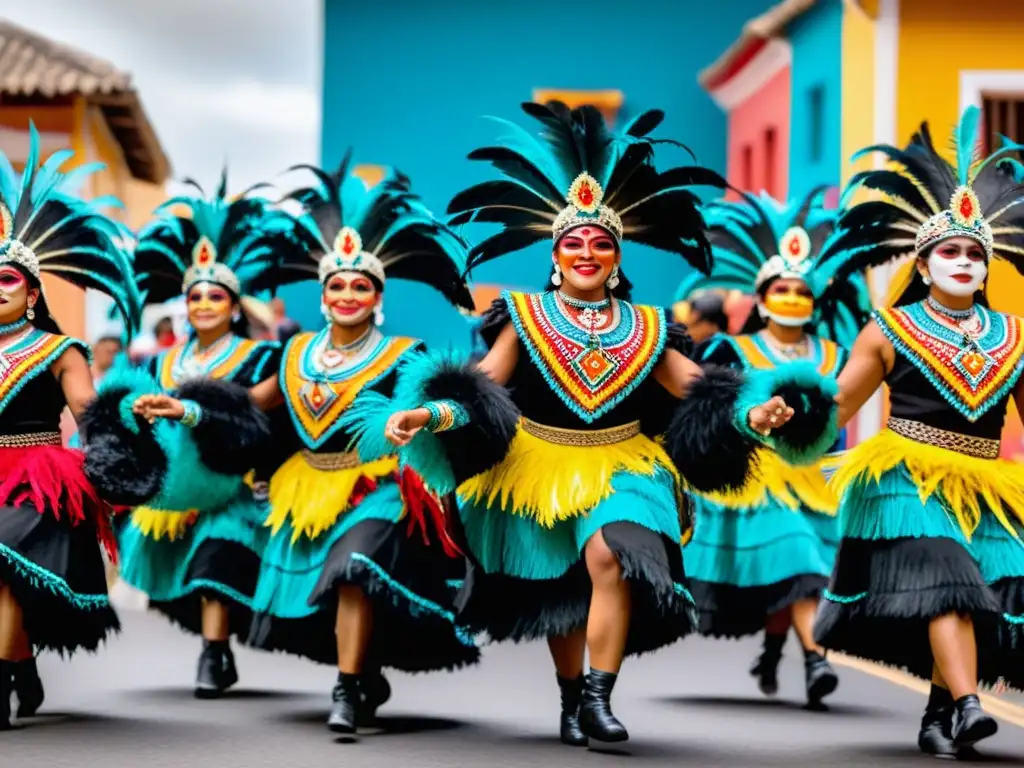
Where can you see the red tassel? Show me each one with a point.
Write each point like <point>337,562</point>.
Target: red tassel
<point>52,479</point>
<point>425,511</point>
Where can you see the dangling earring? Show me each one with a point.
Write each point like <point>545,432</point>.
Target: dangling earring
<point>926,279</point>
<point>556,279</point>
<point>30,313</point>
<point>378,315</point>
<point>613,279</point>
<point>325,311</point>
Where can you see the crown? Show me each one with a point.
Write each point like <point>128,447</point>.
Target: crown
<point>206,269</point>
<point>963,218</point>
<point>791,261</point>
<point>585,207</point>
<point>348,256</point>
<point>14,251</point>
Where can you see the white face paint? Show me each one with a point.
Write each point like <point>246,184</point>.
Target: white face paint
<point>957,266</point>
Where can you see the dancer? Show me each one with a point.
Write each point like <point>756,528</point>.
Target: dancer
<point>761,561</point>
<point>930,571</point>
<point>53,589</point>
<point>199,563</point>
<point>573,512</point>
<point>356,570</point>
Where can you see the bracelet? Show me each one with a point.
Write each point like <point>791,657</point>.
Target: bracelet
<point>445,415</point>
<point>193,413</point>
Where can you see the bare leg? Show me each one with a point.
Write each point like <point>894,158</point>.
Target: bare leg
<point>803,622</point>
<point>567,652</point>
<point>352,629</point>
<point>215,620</point>
<point>610,605</point>
<point>14,642</point>
<point>955,652</point>
<point>779,622</point>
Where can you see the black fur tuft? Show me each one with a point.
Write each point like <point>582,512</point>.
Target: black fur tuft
<point>232,433</point>
<point>707,448</point>
<point>815,410</point>
<point>493,417</point>
<point>126,468</point>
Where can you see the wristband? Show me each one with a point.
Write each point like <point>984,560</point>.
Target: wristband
<point>193,413</point>
<point>445,415</point>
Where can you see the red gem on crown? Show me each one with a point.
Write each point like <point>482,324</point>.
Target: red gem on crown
<point>585,194</point>
<point>204,255</point>
<point>348,245</point>
<point>794,246</point>
<point>966,206</point>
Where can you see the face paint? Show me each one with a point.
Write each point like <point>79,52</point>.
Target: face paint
<point>789,303</point>
<point>958,266</point>
<point>14,295</point>
<point>210,306</point>
<point>349,298</point>
<point>586,256</point>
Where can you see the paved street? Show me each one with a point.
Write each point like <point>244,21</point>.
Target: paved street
<point>689,705</point>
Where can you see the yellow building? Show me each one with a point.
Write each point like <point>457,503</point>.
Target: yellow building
<point>83,103</point>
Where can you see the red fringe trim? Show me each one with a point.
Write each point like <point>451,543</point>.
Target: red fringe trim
<point>52,479</point>
<point>425,511</point>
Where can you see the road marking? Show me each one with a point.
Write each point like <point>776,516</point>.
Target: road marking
<point>1004,710</point>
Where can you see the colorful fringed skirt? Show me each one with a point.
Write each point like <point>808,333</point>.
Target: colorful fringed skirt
<point>527,522</point>
<point>927,531</point>
<point>178,559</point>
<point>338,527</point>
<point>52,528</point>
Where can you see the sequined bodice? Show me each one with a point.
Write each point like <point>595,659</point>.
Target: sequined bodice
<point>31,399</point>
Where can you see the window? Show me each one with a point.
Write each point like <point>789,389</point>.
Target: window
<point>770,158</point>
<point>1003,115</point>
<point>816,110</point>
<point>608,103</point>
<point>747,168</point>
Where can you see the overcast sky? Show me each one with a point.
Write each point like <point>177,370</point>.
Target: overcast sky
<point>234,80</point>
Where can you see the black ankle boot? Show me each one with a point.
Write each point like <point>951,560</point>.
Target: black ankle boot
<point>569,731</point>
<point>972,724</point>
<point>6,689</point>
<point>345,701</point>
<point>596,719</point>
<point>766,668</point>
<point>936,735</point>
<point>374,691</point>
<point>28,687</point>
<point>216,671</point>
<point>821,678</point>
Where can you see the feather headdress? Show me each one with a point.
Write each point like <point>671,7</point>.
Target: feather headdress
<point>45,227</point>
<point>383,231</point>
<point>924,200</point>
<point>759,239</point>
<point>579,172</point>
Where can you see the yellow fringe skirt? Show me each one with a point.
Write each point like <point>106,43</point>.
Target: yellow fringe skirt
<point>793,487</point>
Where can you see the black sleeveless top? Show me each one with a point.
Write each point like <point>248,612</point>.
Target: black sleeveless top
<point>31,398</point>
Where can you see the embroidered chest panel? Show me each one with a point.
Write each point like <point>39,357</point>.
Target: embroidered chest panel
<point>317,398</point>
<point>590,381</point>
<point>27,356</point>
<point>755,352</point>
<point>970,377</point>
<point>181,363</point>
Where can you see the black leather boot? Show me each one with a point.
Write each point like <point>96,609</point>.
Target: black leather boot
<point>972,724</point>
<point>216,671</point>
<point>936,735</point>
<point>374,691</point>
<point>6,689</point>
<point>569,731</point>
<point>28,687</point>
<point>766,668</point>
<point>345,701</point>
<point>596,719</point>
<point>821,678</point>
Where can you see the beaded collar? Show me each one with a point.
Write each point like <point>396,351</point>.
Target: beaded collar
<point>590,373</point>
<point>222,360</point>
<point>756,352</point>
<point>26,356</point>
<point>972,372</point>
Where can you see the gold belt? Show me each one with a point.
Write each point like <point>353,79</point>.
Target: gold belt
<point>30,439</point>
<point>977,447</point>
<point>328,462</point>
<point>582,438</point>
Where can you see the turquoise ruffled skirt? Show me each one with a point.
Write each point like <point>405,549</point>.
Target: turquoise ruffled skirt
<point>527,581</point>
<point>370,547</point>
<point>218,557</point>
<point>748,563</point>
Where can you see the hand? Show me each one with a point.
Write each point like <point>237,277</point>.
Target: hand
<point>766,417</point>
<point>403,425</point>
<point>152,407</point>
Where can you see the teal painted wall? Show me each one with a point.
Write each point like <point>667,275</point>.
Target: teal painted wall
<point>815,152</point>
<point>406,83</point>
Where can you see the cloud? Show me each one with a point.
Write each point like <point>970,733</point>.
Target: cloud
<point>247,104</point>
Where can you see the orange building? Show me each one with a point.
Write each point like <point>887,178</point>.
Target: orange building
<point>83,103</point>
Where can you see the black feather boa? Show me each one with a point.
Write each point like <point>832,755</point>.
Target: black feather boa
<point>232,431</point>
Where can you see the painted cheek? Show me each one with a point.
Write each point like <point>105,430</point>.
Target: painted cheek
<point>789,305</point>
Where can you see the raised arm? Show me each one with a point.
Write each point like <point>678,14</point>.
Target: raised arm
<point>871,359</point>
<point>501,361</point>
